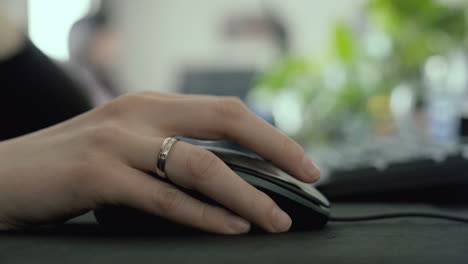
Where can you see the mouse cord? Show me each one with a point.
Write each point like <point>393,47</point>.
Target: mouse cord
<point>397,215</point>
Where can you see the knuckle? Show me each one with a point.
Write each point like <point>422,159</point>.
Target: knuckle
<point>167,200</point>
<point>114,108</point>
<point>145,93</point>
<point>104,135</point>
<point>205,216</point>
<point>229,108</point>
<point>149,97</point>
<point>130,99</point>
<point>121,105</point>
<point>145,98</point>
<point>201,164</point>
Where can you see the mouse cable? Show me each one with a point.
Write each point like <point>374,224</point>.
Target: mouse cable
<point>397,215</point>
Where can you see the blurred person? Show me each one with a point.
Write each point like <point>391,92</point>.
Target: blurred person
<point>59,158</point>
<point>93,47</point>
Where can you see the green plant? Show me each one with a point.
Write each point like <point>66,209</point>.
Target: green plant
<point>338,87</point>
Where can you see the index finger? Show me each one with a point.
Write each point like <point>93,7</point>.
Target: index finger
<point>228,117</point>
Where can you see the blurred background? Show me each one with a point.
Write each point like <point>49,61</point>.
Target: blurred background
<point>363,85</point>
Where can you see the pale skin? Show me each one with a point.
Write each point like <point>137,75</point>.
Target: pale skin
<point>103,157</point>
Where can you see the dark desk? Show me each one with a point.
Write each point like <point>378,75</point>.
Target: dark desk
<point>409,240</point>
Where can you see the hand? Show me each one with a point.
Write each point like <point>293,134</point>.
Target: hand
<point>102,158</point>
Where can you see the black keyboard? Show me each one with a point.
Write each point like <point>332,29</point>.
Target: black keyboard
<point>429,173</point>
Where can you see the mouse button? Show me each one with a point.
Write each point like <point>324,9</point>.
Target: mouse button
<point>253,176</point>
<point>240,159</point>
<point>264,168</point>
<point>265,177</point>
<point>271,171</point>
<point>314,192</point>
<point>281,175</point>
<point>230,154</point>
<point>268,169</point>
<point>272,190</point>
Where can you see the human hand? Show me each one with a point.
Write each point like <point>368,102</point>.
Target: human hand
<point>103,157</point>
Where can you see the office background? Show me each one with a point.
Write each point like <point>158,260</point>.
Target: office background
<point>359,83</point>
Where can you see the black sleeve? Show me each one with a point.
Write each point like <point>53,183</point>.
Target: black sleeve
<point>35,93</point>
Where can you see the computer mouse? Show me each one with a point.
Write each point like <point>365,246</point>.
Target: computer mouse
<point>306,206</point>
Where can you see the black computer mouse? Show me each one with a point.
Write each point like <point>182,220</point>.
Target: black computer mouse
<point>306,206</point>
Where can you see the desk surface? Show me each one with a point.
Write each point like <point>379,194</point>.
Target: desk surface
<point>409,240</point>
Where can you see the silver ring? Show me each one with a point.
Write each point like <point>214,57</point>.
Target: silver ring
<point>162,156</point>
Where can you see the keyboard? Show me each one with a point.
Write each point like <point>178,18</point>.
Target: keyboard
<point>395,172</point>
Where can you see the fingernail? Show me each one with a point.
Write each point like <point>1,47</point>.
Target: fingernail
<point>239,225</point>
<point>311,170</point>
<point>281,221</point>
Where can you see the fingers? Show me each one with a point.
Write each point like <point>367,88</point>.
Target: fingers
<point>199,169</point>
<point>136,189</point>
<point>195,168</point>
<point>208,117</point>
